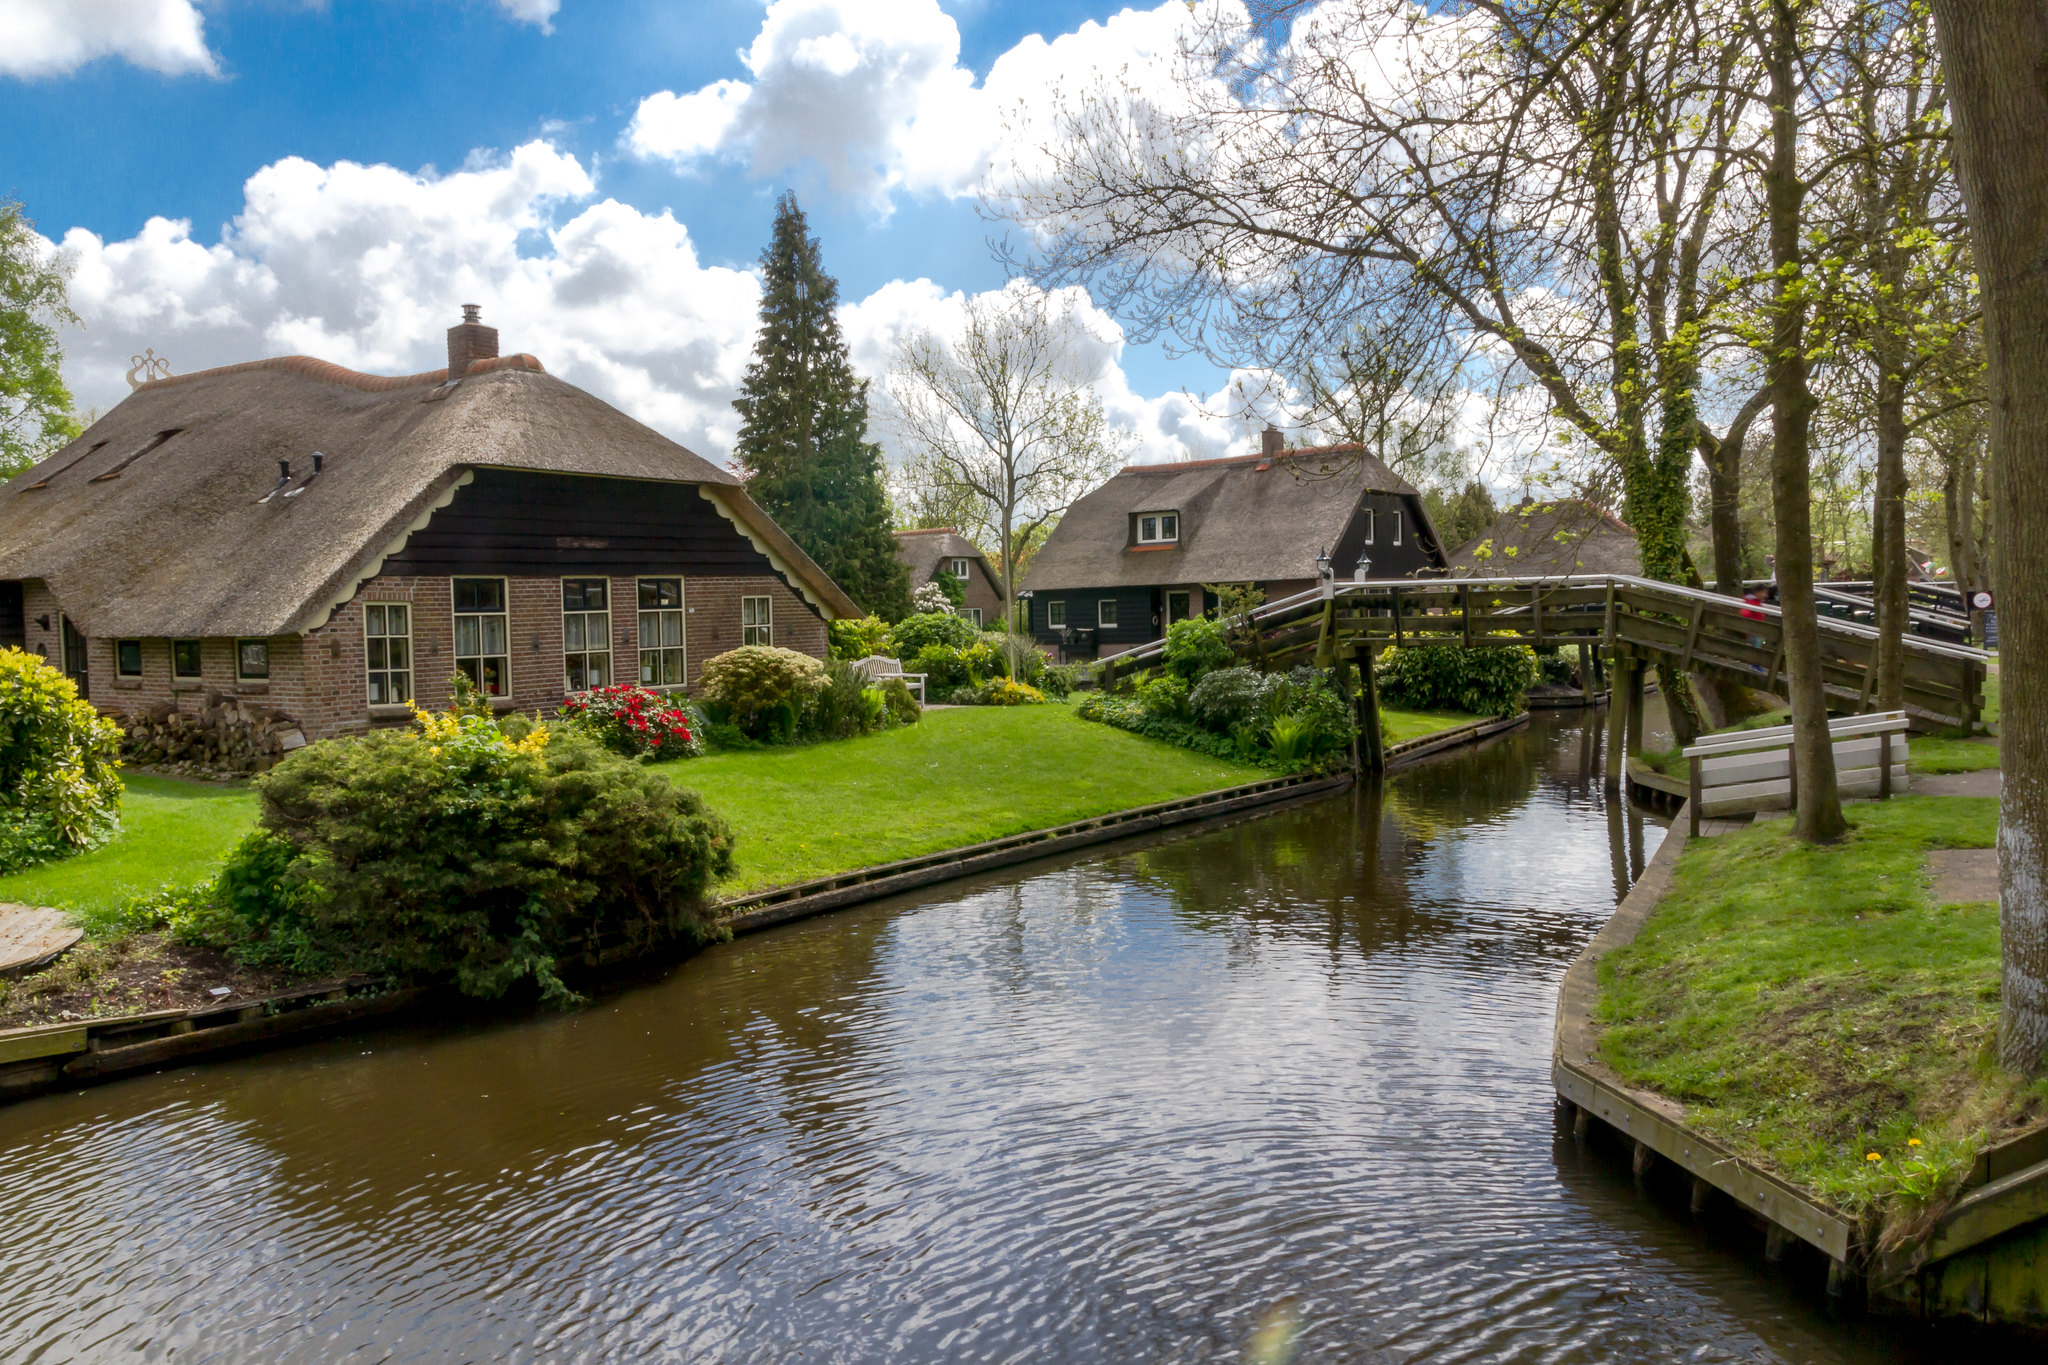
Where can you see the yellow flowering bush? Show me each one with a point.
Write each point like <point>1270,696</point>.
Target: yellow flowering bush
<point>60,781</point>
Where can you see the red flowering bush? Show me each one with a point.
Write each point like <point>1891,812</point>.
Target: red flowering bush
<point>633,721</point>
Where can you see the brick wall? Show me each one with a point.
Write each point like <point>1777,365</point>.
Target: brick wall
<point>319,678</point>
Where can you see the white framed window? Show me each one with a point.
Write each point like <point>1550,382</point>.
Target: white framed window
<point>757,620</point>
<point>1397,526</point>
<point>1055,613</point>
<point>387,652</point>
<point>1158,528</point>
<point>186,661</point>
<point>252,660</point>
<point>586,634</point>
<point>957,568</point>
<point>1368,525</point>
<point>127,658</point>
<point>482,635</point>
<point>969,614</point>
<point>1105,613</point>
<point>664,661</point>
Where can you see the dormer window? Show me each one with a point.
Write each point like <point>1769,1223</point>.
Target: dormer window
<point>1158,528</point>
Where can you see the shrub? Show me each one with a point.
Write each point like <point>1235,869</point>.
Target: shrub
<point>763,690</point>
<point>1006,692</point>
<point>843,709</point>
<point>947,666</point>
<point>1554,667</point>
<point>60,780</point>
<point>1030,660</point>
<point>914,634</point>
<point>1164,694</point>
<point>1229,697</point>
<point>1290,737</point>
<point>856,639</point>
<point>902,702</point>
<point>1058,680</point>
<point>930,597</point>
<point>954,588</point>
<point>1195,647</point>
<point>632,721</point>
<point>1485,680</point>
<point>450,853</point>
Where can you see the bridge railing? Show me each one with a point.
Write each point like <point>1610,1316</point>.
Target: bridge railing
<point>1664,622</point>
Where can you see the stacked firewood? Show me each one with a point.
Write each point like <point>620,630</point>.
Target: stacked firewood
<point>225,735</point>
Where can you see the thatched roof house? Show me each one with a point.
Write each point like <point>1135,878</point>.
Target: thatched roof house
<point>224,531</point>
<point>1132,556</point>
<point>1551,537</point>
<point>928,552</point>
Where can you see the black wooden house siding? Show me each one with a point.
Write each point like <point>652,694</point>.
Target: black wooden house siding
<point>552,525</point>
<point>1388,559</point>
<point>1133,616</point>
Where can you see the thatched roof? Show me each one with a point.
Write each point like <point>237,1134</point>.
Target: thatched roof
<point>924,550</point>
<point>1556,536</point>
<point>139,533</point>
<point>1250,518</point>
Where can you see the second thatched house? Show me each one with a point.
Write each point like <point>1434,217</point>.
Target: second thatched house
<point>287,540</point>
<point>942,550</point>
<point>1144,549</point>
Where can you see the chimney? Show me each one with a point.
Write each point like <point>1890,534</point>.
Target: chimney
<point>470,342</point>
<point>1271,442</point>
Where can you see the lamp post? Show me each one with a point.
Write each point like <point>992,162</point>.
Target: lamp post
<point>1324,577</point>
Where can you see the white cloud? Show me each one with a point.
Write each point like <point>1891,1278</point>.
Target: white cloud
<point>871,93</point>
<point>540,13</point>
<point>364,266</point>
<point>53,37</point>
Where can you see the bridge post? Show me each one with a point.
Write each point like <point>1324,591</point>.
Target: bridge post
<point>1371,755</point>
<point>1638,670</point>
<point>1623,681</point>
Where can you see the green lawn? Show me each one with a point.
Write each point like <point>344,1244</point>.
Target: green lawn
<point>1812,1006</point>
<point>958,776</point>
<point>1397,727</point>
<point>172,832</point>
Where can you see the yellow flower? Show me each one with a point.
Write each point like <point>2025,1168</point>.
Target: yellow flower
<point>1912,1142</point>
<point>1872,1157</point>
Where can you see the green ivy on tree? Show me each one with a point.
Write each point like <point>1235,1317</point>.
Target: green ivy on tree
<point>803,443</point>
<point>35,407</point>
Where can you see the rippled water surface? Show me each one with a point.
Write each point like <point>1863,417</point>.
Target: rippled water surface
<point>1129,1107</point>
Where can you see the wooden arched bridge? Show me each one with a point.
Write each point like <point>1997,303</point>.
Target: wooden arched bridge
<point>1633,622</point>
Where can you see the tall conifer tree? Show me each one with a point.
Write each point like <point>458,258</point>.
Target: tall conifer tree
<point>804,443</point>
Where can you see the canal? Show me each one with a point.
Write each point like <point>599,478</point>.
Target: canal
<point>1290,1073</point>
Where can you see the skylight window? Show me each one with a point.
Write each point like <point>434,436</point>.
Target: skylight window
<point>1158,528</point>
<point>151,444</point>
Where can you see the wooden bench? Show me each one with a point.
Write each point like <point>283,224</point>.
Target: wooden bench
<point>1753,770</point>
<point>880,668</point>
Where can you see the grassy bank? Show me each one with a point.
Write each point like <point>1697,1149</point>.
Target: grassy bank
<point>1397,727</point>
<point>173,833</point>
<point>957,777</point>
<point>1814,1008</point>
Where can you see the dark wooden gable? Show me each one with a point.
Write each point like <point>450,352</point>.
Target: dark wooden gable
<point>545,525</point>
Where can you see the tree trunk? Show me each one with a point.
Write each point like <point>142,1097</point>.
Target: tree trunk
<point>1994,57</point>
<point>1888,545</point>
<point>1819,805</point>
<point>1723,458</point>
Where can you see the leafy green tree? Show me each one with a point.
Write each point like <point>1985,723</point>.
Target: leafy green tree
<point>35,407</point>
<point>804,426</point>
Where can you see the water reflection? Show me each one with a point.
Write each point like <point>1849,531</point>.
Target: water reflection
<point>1127,1106</point>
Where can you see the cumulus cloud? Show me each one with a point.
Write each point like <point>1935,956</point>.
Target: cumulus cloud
<point>540,13</point>
<point>872,94</point>
<point>364,266</point>
<point>53,37</point>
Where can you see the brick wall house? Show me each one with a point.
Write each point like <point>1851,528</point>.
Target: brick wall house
<point>488,517</point>
<point>929,552</point>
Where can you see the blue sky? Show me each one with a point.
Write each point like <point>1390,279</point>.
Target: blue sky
<point>859,106</point>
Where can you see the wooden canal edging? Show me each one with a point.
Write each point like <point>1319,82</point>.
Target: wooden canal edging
<point>1985,1257</point>
<point>780,905</point>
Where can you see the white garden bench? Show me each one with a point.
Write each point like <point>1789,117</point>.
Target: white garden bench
<point>1753,770</point>
<point>880,668</point>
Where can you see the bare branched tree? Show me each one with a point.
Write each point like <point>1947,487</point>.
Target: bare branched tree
<point>1000,420</point>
